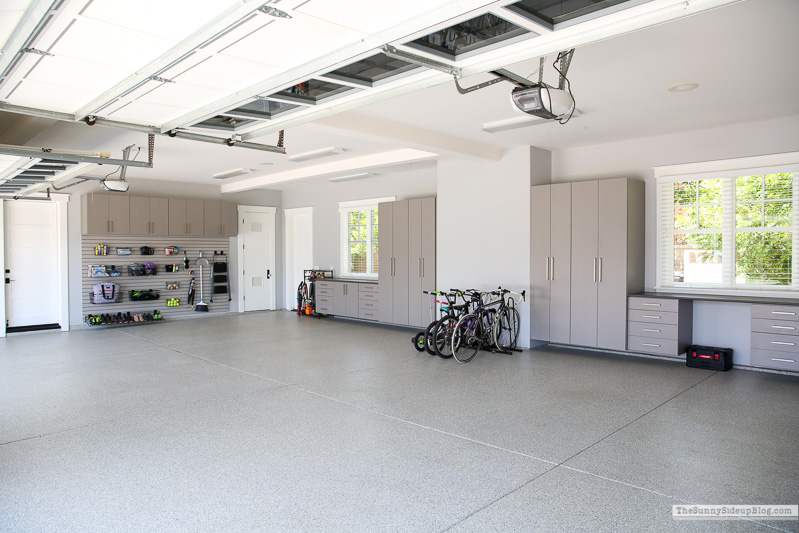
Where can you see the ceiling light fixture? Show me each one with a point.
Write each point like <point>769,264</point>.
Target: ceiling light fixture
<point>682,87</point>
<point>517,122</point>
<point>232,173</point>
<point>314,154</point>
<point>359,176</point>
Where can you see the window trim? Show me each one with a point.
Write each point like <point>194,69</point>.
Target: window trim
<point>727,168</point>
<point>344,208</point>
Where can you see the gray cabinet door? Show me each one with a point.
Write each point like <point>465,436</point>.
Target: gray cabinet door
<point>94,214</point>
<point>428,254</point>
<point>159,216</point>
<point>195,217</point>
<point>177,217</point>
<point>560,251</point>
<point>213,219</point>
<point>539,262</point>
<point>228,219</point>
<point>415,262</point>
<point>401,260</point>
<point>351,300</point>
<point>612,268</point>
<point>584,263</point>
<point>119,214</point>
<point>385,265</point>
<point>139,215</point>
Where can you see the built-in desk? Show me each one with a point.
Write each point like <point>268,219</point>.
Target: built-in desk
<point>662,323</point>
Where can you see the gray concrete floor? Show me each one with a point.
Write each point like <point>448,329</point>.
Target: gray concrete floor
<point>273,422</point>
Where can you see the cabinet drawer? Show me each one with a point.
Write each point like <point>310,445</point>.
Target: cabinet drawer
<point>776,312</point>
<point>368,314</point>
<point>323,284</point>
<point>652,317</point>
<point>368,304</point>
<point>781,327</point>
<point>779,343</point>
<point>368,295</point>
<point>367,288</point>
<point>324,291</point>
<point>652,345</point>
<point>653,304</point>
<point>326,301</point>
<point>656,331</point>
<point>323,308</point>
<point>769,359</point>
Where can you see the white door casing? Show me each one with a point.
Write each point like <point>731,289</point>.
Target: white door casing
<point>33,246</point>
<point>298,249</point>
<point>256,251</point>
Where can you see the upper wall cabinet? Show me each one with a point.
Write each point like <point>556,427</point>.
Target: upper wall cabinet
<point>149,216</point>
<point>105,214</point>
<point>221,219</point>
<point>186,217</point>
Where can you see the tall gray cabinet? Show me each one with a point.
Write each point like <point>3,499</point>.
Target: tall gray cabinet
<point>550,263</point>
<point>607,259</point>
<point>407,260</point>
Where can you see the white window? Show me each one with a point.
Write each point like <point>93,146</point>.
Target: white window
<point>729,225</point>
<point>360,237</point>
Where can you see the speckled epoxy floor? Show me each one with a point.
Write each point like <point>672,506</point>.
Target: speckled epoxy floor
<point>272,422</point>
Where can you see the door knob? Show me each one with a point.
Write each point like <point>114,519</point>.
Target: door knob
<point>268,274</point>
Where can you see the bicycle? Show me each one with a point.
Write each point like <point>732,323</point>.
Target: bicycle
<point>441,332</point>
<point>475,329</point>
<point>506,325</point>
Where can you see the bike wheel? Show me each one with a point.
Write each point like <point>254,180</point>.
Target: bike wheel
<point>429,341</point>
<point>442,336</point>
<point>466,338</point>
<point>506,329</point>
<point>419,341</point>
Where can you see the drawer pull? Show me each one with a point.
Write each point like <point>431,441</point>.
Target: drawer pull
<point>651,330</point>
<point>651,316</point>
<point>783,327</point>
<point>653,345</point>
<point>783,360</point>
<point>783,313</point>
<point>652,305</point>
<point>784,343</point>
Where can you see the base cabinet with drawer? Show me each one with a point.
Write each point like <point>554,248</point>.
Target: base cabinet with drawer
<point>775,337</point>
<point>347,299</point>
<point>662,326</point>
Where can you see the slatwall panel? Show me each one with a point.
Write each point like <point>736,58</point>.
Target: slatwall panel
<point>126,283</point>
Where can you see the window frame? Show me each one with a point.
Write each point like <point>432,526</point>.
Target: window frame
<point>724,169</point>
<point>345,208</point>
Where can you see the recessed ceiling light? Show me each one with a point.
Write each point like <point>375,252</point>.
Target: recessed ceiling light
<point>313,154</point>
<point>359,176</point>
<point>231,173</point>
<point>682,87</point>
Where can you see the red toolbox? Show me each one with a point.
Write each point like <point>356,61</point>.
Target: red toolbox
<point>708,357</point>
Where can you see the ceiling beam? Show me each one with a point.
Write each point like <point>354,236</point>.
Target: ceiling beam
<point>353,164</point>
<point>35,14</point>
<point>394,134</point>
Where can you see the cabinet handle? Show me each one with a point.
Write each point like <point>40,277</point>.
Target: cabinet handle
<point>112,226</point>
<point>594,269</point>
<point>653,345</point>
<point>422,266</point>
<point>186,229</point>
<point>108,226</point>
<point>652,330</point>
<point>652,305</point>
<point>600,270</point>
<point>419,267</point>
<point>651,316</point>
<point>783,327</point>
<point>546,270</point>
<point>552,269</point>
<point>783,360</point>
<point>782,313</point>
<point>784,343</point>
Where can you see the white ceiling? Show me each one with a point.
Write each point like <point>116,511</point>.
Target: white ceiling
<point>739,54</point>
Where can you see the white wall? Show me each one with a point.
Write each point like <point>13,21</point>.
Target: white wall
<point>324,197</point>
<point>483,217</point>
<point>165,189</point>
<point>719,324</point>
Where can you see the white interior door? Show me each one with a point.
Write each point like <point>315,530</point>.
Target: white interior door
<point>31,263</point>
<point>299,250</point>
<point>257,236</point>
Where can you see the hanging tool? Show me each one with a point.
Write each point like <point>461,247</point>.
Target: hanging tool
<point>201,306</point>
